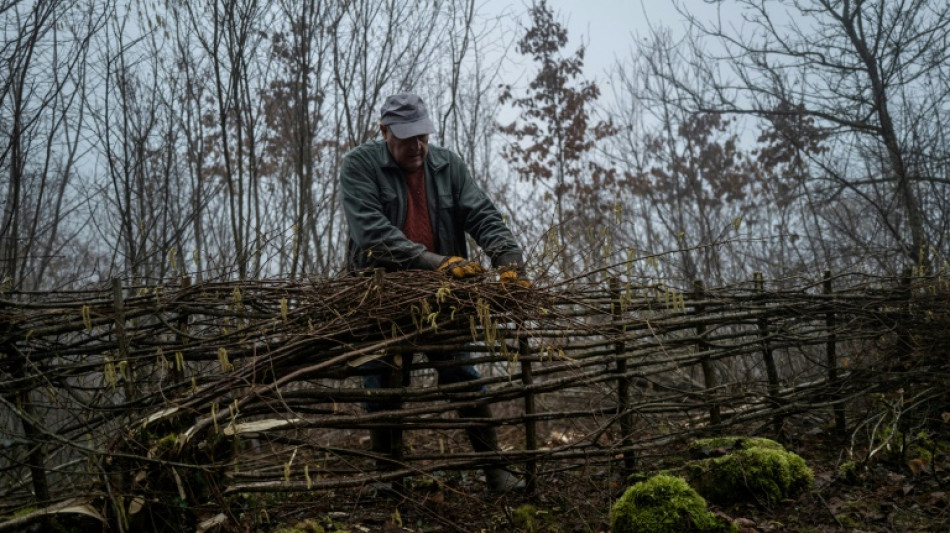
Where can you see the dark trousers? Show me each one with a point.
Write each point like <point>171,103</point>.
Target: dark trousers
<point>383,373</point>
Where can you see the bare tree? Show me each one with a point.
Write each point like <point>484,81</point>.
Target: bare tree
<point>873,73</point>
<point>554,137</point>
<point>40,121</point>
<point>137,135</point>
<point>229,33</point>
<point>295,112</point>
<point>380,46</point>
<point>194,73</point>
<point>702,183</point>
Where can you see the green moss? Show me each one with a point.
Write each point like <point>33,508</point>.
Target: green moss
<point>530,519</point>
<point>915,451</point>
<point>523,517</point>
<point>846,521</point>
<point>664,504</point>
<point>165,444</point>
<point>701,448</point>
<point>921,448</point>
<point>767,475</point>
<point>848,471</point>
<point>24,511</point>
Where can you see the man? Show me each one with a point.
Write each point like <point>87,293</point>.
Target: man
<point>408,205</point>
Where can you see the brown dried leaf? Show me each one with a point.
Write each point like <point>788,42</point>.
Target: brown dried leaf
<point>136,505</point>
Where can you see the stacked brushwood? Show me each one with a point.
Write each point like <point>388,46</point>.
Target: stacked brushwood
<point>125,399</point>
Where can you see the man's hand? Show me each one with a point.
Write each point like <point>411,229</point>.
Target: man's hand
<point>460,267</point>
<point>510,275</point>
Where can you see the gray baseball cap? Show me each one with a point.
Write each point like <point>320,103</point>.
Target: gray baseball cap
<point>406,115</point>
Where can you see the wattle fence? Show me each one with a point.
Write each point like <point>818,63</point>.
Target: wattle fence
<point>120,399</point>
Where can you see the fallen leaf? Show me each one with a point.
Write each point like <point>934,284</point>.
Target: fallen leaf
<point>213,522</point>
<point>917,466</point>
<point>136,505</point>
<point>936,499</point>
<point>744,522</point>
<point>894,477</point>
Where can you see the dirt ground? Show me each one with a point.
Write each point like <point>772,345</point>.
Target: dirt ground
<point>891,492</point>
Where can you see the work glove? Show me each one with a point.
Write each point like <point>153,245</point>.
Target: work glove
<point>510,275</point>
<point>460,267</point>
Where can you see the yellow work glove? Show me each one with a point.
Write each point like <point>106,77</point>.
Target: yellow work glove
<point>460,267</point>
<point>511,276</point>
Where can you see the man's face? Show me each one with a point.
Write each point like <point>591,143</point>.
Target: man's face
<point>409,153</point>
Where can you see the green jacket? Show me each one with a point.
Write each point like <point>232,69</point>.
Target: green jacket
<point>375,203</point>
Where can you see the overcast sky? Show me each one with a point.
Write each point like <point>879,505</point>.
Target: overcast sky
<point>607,26</point>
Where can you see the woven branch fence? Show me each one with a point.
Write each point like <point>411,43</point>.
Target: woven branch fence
<point>116,399</point>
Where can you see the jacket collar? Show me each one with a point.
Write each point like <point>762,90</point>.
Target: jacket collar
<point>436,159</point>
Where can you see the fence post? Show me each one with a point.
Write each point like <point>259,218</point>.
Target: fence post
<point>397,375</point>
<point>770,368</point>
<point>904,341</point>
<point>128,376</point>
<point>623,384</point>
<point>831,357</point>
<point>181,338</point>
<point>709,376</point>
<point>36,457</point>
<point>530,429</point>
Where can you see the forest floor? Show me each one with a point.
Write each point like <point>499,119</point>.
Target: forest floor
<point>886,494</point>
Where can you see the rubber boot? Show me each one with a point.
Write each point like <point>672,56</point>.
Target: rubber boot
<point>485,439</point>
<point>499,480</point>
<point>381,443</point>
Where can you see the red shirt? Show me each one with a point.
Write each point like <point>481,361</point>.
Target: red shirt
<point>417,227</point>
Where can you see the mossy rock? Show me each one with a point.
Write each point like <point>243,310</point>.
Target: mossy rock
<point>762,474</point>
<point>664,504</point>
<point>719,446</point>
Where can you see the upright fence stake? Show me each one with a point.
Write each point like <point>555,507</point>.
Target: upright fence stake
<point>831,357</point>
<point>181,338</point>
<point>36,457</point>
<point>904,341</point>
<point>397,375</point>
<point>128,377</point>
<point>623,384</point>
<point>530,425</point>
<point>709,376</point>
<point>770,369</point>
